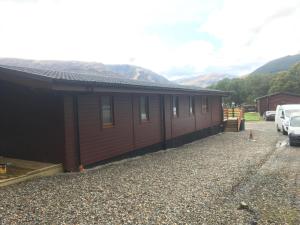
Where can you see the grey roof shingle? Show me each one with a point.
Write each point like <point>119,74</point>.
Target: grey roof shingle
<point>106,78</point>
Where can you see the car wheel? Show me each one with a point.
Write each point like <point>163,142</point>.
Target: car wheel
<point>284,132</point>
<point>292,143</point>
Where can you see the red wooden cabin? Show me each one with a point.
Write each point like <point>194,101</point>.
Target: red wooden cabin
<point>78,119</point>
<point>270,102</point>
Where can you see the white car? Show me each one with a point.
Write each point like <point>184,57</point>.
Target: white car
<point>294,129</point>
<point>282,117</point>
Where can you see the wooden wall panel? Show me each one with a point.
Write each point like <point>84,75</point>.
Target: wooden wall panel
<point>71,162</point>
<point>42,126</point>
<point>203,119</point>
<point>216,105</point>
<point>185,123</point>
<point>98,143</point>
<point>282,99</point>
<point>168,116</point>
<point>148,132</point>
<point>270,102</point>
<point>262,105</point>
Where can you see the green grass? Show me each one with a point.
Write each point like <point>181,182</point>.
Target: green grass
<point>252,116</point>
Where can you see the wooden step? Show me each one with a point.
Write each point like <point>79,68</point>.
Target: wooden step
<point>38,169</point>
<point>230,130</point>
<point>231,126</point>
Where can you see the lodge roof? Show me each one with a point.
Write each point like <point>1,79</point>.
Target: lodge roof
<point>103,79</point>
<point>278,93</point>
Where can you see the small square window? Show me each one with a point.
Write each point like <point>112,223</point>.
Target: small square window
<point>144,108</point>
<point>107,111</point>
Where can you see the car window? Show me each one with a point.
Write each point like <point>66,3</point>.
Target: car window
<point>290,111</point>
<point>295,121</point>
<point>281,112</point>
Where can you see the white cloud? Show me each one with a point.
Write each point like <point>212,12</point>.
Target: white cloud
<point>253,32</point>
<point>115,31</point>
<point>107,31</point>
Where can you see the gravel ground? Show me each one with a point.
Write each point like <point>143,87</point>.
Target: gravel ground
<point>200,183</point>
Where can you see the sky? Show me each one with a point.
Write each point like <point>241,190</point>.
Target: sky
<point>175,38</point>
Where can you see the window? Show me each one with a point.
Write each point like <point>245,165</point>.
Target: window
<point>295,121</point>
<point>205,104</point>
<point>192,105</point>
<point>107,113</point>
<point>144,108</point>
<point>175,106</point>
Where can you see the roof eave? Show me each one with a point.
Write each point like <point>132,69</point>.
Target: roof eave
<point>35,81</point>
<point>94,87</point>
<point>277,93</point>
<point>25,79</point>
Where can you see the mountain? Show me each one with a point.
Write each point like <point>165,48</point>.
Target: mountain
<point>120,71</point>
<point>203,80</point>
<point>137,73</point>
<point>277,65</point>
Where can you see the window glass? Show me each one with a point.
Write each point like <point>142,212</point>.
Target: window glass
<point>192,105</point>
<point>290,111</point>
<point>144,108</point>
<point>205,104</point>
<point>107,110</point>
<point>295,121</point>
<point>175,106</point>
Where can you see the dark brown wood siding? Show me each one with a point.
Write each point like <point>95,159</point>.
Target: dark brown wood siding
<point>32,124</point>
<point>128,133</point>
<point>168,116</point>
<point>262,105</point>
<point>203,119</point>
<point>270,103</point>
<point>147,132</point>
<point>71,161</point>
<point>185,122</point>
<point>282,99</point>
<point>216,110</point>
<point>98,143</point>
<point>59,127</point>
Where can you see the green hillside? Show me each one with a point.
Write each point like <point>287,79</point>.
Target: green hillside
<point>278,65</point>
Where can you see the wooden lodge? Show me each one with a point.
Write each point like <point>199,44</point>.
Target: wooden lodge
<point>270,102</point>
<point>76,119</point>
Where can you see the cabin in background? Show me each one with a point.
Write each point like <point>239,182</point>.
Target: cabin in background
<point>78,119</point>
<point>270,102</point>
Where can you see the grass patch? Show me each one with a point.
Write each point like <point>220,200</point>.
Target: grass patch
<point>252,116</point>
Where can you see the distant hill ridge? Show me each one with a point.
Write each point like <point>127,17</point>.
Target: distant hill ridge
<point>121,71</point>
<point>278,65</point>
<point>203,80</point>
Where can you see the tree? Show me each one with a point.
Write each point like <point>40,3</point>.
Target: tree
<point>248,88</point>
<point>288,81</point>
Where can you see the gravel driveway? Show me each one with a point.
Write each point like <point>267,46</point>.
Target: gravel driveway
<point>200,183</point>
